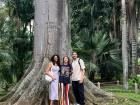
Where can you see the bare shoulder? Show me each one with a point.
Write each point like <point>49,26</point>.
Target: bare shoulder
<point>50,64</point>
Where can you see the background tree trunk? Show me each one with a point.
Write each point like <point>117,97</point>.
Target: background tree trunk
<point>51,37</point>
<point>124,45</point>
<point>133,33</point>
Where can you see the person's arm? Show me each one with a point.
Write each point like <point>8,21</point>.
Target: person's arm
<point>71,70</point>
<point>82,73</point>
<point>48,71</point>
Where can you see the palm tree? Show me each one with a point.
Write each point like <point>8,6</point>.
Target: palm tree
<point>133,32</point>
<point>124,45</point>
<point>6,61</point>
<point>101,51</point>
<point>12,44</point>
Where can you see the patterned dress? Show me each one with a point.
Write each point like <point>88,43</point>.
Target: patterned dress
<point>53,88</point>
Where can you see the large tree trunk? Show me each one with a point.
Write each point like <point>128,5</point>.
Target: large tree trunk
<point>124,45</point>
<point>51,37</point>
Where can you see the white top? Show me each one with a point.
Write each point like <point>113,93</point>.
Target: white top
<point>76,69</point>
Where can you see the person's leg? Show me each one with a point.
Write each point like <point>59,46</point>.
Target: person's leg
<point>75,90</point>
<point>67,94</point>
<point>62,94</point>
<point>51,93</point>
<point>51,102</point>
<point>81,94</point>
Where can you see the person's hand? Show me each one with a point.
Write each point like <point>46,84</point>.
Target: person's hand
<point>81,80</point>
<point>53,78</point>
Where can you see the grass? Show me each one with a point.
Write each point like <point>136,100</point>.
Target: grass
<point>125,97</point>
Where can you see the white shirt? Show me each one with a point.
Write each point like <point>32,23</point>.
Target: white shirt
<point>76,69</point>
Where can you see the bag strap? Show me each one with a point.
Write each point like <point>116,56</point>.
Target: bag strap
<point>79,64</point>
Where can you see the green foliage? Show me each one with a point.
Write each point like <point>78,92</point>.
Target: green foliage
<point>103,52</point>
<point>22,9</point>
<point>139,61</point>
<point>16,44</point>
<point>19,47</point>
<point>92,37</point>
<point>134,80</point>
<point>125,97</point>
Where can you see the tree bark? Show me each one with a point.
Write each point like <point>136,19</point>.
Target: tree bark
<point>124,45</point>
<point>51,37</point>
<point>133,33</point>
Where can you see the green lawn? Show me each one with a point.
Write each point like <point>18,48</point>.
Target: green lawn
<point>125,97</point>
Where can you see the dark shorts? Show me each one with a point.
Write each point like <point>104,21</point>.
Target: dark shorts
<point>65,80</point>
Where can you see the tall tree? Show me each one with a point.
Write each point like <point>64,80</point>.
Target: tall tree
<point>133,24</point>
<point>132,33</point>
<point>51,36</point>
<point>124,45</point>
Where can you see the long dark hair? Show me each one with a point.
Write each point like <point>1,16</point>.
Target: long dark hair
<point>53,61</point>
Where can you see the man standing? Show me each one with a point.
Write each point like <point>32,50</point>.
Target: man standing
<point>77,78</point>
